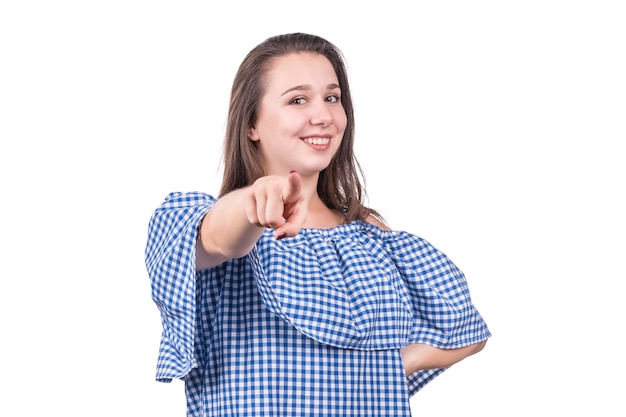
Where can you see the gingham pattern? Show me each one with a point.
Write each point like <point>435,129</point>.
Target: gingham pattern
<point>306,326</point>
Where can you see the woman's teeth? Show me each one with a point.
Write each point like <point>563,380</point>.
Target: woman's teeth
<point>317,141</point>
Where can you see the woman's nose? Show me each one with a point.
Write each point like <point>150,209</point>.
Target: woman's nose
<point>321,114</point>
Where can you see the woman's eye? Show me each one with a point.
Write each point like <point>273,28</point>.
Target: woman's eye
<point>298,100</point>
<point>332,99</point>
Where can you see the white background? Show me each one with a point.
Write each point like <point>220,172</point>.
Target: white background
<point>494,129</point>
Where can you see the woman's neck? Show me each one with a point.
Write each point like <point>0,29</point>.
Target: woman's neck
<point>320,216</point>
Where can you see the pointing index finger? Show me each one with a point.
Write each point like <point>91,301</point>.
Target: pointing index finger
<point>294,187</point>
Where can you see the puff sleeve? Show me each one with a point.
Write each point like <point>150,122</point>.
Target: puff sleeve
<point>170,261</point>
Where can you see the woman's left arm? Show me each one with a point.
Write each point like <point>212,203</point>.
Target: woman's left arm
<point>418,356</point>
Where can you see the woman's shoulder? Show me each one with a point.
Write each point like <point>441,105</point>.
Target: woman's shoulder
<point>378,222</point>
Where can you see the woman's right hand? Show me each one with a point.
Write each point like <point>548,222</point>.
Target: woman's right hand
<point>277,202</point>
<point>231,228</point>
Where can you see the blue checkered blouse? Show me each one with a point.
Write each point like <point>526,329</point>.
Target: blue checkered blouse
<point>304,326</point>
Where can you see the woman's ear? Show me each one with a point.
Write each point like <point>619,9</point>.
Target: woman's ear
<point>252,134</point>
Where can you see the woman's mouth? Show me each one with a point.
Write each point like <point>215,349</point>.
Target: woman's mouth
<point>317,141</point>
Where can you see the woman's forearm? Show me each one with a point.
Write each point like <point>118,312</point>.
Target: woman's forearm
<point>419,356</point>
<point>226,232</point>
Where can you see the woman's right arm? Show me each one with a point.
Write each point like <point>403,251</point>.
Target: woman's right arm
<point>234,224</point>
<point>225,231</point>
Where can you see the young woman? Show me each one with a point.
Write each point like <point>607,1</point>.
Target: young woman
<point>286,295</point>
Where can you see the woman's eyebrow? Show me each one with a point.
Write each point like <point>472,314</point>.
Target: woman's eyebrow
<point>306,87</point>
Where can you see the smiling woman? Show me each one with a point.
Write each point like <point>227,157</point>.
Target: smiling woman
<point>286,295</point>
<point>301,105</point>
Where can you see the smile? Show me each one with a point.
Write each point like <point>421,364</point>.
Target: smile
<point>317,141</point>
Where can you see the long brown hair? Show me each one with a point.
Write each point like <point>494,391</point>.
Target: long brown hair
<point>340,184</point>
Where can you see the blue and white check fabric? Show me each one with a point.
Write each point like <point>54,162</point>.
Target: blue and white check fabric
<point>304,326</point>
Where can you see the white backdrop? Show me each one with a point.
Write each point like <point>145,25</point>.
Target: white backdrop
<point>493,129</point>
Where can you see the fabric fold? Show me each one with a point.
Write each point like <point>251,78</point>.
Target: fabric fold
<point>357,286</point>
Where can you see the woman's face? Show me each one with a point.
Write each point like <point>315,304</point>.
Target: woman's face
<point>301,120</point>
